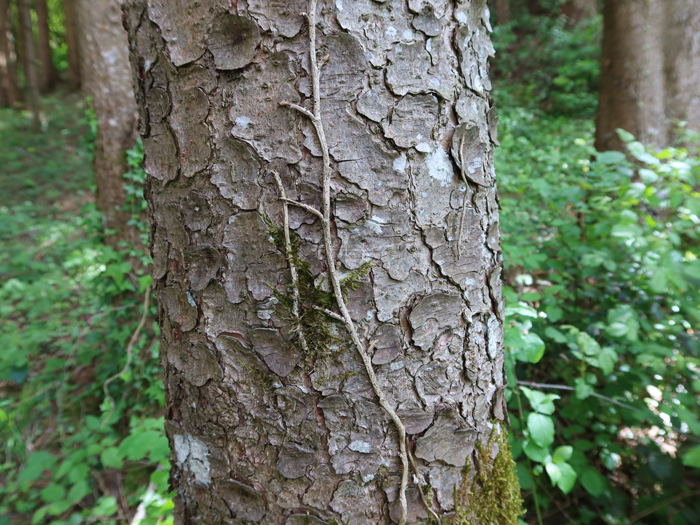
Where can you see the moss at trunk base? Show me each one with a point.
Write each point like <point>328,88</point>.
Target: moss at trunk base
<point>492,495</point>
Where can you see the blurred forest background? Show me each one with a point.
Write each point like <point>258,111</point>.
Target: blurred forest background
<point>601,249</point>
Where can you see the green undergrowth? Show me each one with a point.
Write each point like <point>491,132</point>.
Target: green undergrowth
<point>602,277</point>
<point>68,306</point>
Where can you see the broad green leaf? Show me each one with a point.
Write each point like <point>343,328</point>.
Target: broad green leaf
<point>568,477</point>
<point>607,359</point>
<point>36,463</point>
<point>136,446</point>
<point>689,418</point>
<point>692,457</point>
<point>593,482</point>
<point>610,157</point>
<point>533,348</point>
<point>52,493</point>
<point>583,389</point>
<point>553,472</point>
<point>524,310</point>
<point>562,454</point>
<point>524,476</point>
<point>587,344</point>
<point>111,458</point>
<point>541,429</point>
<point>554,313</point>
<point>535,452</point>
<point>555,335</point>
<point>78,492</point>
<point>540,402</point>
<point>625,136</point>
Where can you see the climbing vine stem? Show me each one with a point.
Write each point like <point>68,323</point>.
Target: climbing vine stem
<point>325,216</point>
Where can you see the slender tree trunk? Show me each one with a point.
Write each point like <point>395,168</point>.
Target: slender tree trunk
<point>283,398</point>
<point>48,76</point>
<point>502,11</point>
<point>72,43</point>
<point>682,63</point>
<point>106,77</point>
<point>579,10</point>
<point>23,7</point>
<point>21,47</point>
<point>649,74</point>
<point>9,90</point>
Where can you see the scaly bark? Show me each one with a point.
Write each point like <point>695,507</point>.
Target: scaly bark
<point>106,77</point>
<point>72,43</point>
<point>48,76</point>
<point>9,90</point>
<point>347,157</point>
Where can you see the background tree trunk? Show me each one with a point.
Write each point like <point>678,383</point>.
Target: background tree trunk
<point>48,76</point>
<point>106,77</point>
<point>682,66</point>
<point>502,11</point>
<point>265,427</point>
<point>23,7</point>
<point>72,43</point>
<point>650,74</point>
<point>579,10</point>
<point>9,90</point>
<point>632,74</point>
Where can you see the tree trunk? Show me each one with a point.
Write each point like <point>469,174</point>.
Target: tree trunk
<point>106,77</point>
<point>682,66</point>
<point>72,43</point>
<point>282,399</point>
<point>579,10</point>
<point>649,74</point>
<point>9,90</point>
<point>48,76</point>
<point>502,11</point>
<point>23,7</point>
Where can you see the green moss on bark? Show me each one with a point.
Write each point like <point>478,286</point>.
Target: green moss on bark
<point>491,496</point>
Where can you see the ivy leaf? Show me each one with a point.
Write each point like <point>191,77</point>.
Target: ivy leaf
<point>593,482</point>
<point>541,429</point>
<point>692,458</point>
<point>562,454</point>
<point>568,477</point>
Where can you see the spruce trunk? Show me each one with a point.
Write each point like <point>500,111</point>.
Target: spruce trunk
<point>25,19</point>
<point>326,255</point>
<point>106,77</point>
<point>48,76</point>
<point>72,43</point>
<point>9,89</point>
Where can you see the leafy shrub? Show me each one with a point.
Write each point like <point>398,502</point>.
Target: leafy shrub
<point>601,254</point>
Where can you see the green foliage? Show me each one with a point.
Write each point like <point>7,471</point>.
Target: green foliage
<point>601,253</point>
<point>68,306</point>
<point>549,61</point>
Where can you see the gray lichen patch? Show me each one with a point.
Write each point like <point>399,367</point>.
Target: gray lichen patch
<point>412,121</point>
<point>432,181</point>
<point>193,455</point>
<point>256,114</point>
<point>184,33</point>
<point>233,40</point>
<point>427,22</point>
